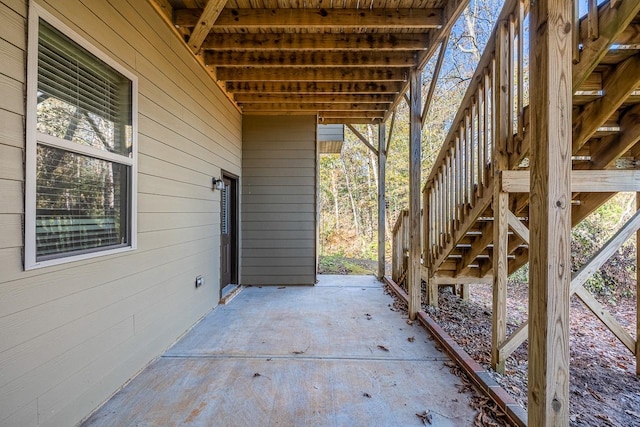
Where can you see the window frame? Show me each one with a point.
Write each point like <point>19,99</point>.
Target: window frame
<point>33,139</point>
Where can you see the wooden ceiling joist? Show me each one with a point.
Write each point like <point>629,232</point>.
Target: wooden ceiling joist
<point>316,42</point>
<point>314,106</point>
<point>338,88</point>
<point>312,59</point>
<point>297,56</point>
<point>348,120</point>
<point>205,22</point>
<point>316,18</point>
<point>351,114</point>
<point>333,98</point>
<point>311,74</point>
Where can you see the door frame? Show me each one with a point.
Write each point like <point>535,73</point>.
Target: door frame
<point>234,219</point>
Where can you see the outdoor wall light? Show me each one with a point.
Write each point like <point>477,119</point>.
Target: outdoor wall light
<point>218,184</point>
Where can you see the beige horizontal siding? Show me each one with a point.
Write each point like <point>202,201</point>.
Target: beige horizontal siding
<point>278,200</point>
<point>70,335</point>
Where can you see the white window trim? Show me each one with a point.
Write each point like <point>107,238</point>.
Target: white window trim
<point>35,13</point>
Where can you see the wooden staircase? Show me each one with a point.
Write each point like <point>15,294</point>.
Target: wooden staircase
<point>476,198</point>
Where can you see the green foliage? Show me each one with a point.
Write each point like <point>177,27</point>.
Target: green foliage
<point>338,264</point>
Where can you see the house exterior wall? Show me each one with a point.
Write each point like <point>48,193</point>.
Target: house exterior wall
<point>72,334</point>
<point>278,204</point>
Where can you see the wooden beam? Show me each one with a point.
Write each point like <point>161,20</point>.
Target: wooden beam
<point>295,87</point>
<point>311,74</point>
<point>348,120</point>
<point>351,114</point>
<point>415,154</point>
<point>313,106</point>
<point>382,161</point>
<point>364,140</point>
<point>309,18</point>
<point>637,352</point>
<point>205,22</point>
<point>582,181</point>
<point>617,88</point>
<point>550,212</point>
<point>518,227</point>
<point>434,79</point>
<point>452,10</point>
<point>503,133</point>
<point>611,25</point>
<point>444,278</point>
<point>372,98</point>
<point>612,148</point>
<point>606,318</point>
<point>312,59</point>
<point>317,42</point>
<point>606,252</point>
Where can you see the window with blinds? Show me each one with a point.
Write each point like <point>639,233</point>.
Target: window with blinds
<point>84,151</point>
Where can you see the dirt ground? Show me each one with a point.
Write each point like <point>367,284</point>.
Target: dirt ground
<point>605,390</point>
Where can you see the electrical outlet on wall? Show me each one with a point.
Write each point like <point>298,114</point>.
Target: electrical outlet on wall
<point>199,281</point>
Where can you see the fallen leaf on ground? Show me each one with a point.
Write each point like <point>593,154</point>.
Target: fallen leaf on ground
<point>281,287</point>
<point>635,414</point>
<point>366,395</point>
<point>300,351</point>
<point>383,348</point>
<point>257,374</point>
<point>411,339</point>
<point>426,417</point>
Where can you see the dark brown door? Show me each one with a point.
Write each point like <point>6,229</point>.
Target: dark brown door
<point>228,232</point>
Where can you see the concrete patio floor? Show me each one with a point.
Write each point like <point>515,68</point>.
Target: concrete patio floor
<point>298,356</point>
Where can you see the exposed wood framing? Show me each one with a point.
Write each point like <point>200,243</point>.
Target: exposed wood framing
<point>434,79</point>
<point>550,212</point>
<point>637,293</point>
<point>285,74</point>
<point>415,153</point>
<point>317,18</point>
<point>587,181</point>
<point>617,88</point>
<point>500,198</point>
<point>205,22</point>
<point>316,42</point>
<point>307,107</point>
<point>363,139</point>
<point>611,24</point>
<point>372,98</point>
<point>382,162</point>
<point>452,10</point>
<point>309,87</point>
<point>314,59</point>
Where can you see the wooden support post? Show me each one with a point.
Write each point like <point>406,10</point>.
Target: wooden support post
<point>550,212</point>
<point>464,291</point>
<point>503,134</point>
<point>637,293</point>
<point>415,152</point>
<point>382,161</point>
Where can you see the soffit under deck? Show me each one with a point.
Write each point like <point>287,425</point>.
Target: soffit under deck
<point>347,61</point>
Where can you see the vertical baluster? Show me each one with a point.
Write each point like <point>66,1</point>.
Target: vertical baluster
<point>488,105</point>
<point>592,20</point>
<point>575,35</point>
<point>458,186</point>
<point>520,117</point>
<point>511,75</point>
<point>467,169</point>
<point>472,150</point>
<point>482,130</point>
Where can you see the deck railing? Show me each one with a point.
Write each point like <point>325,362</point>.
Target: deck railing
<point>489,125</point>
<point>400,242</point>
<point>474,227</point>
